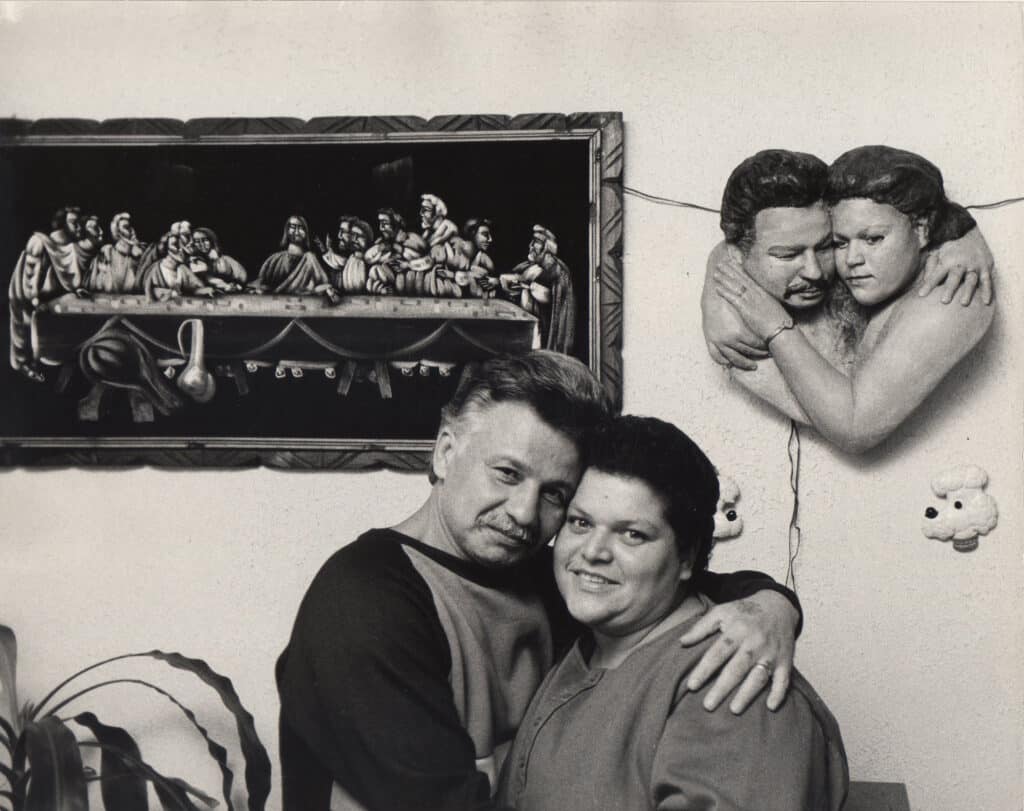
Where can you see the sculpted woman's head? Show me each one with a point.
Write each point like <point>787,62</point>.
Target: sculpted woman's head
<point>885,205</point>
<point>639,525</point>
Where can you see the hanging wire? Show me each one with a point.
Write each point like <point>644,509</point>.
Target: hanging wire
<point>1009,201</point>
<point>668,201</point>
<point>793,446</point>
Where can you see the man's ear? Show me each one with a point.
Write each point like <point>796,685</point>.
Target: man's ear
<point>444,449</point>
<point>923,231</point>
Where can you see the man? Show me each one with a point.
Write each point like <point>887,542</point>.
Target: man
<point>544,287</point>
<point>777,227</point>
<point>49,267</point>
<point>390,255</point>
<point>417,648</point>
<point>479,280</point>
<point>295,270</point>
<point>222,272</point>
<point>334,256</point>
<point>171,277</point>
<point>113,270</point>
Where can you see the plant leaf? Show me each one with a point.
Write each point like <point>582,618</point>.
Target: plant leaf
<point>122,788</point>
<point>7,736</point>
<point>58,783</point>
<point>180,789</point>
<point>8,772</point>
<point>8,676</point>
<point>172,791</point>
<point>257,761</point>
<point>217,752</point>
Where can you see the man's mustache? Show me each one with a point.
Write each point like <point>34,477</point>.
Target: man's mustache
<point>508,526</point>
<point>820,286</point>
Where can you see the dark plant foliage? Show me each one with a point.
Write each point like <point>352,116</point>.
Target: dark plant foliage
<point>40,753</point>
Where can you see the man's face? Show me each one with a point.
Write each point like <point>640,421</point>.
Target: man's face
<point>385,226</point>
<point>72,224</point>
<point>505,479</point>
<point>536,250</point>
<point>185,237</point>
<point>345,235</point>
<point>174,249</point>
<point>791,256</point>
<point>483,238</point>
<point>201,244</point>
<point>93,229</point>
<point>124,229</point>
<point>360,239</point>
<point>426,216</point>
<point>296,231</point>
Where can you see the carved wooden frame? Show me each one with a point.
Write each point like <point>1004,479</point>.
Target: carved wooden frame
<point>604,133</point>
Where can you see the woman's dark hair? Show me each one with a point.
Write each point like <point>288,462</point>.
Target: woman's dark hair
<point>773,178</point>
<point>670,463</point>
<point>894,177</point>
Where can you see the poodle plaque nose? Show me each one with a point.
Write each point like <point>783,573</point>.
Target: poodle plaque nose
<point>931,512</point>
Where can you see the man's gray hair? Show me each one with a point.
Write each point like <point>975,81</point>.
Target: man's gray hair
<point>561,389</point>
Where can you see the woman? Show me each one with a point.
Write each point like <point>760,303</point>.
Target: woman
<point>888,207</point>
<point>613,725</point>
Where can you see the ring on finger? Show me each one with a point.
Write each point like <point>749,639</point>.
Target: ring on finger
<point>767,667</point>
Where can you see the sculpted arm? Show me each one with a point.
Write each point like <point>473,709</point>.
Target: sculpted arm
<point>922,341</point>
<point>729,340</point>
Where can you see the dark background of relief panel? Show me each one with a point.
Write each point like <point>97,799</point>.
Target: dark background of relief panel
<point>243,178</point>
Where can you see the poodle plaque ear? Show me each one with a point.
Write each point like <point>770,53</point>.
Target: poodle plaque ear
<point>966,511</point>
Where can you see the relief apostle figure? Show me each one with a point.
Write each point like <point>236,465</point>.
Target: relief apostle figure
<point>222,272</point>
<point>295,269</point>
<point>114,268</point>
<point>50,266</point>
<point>542,285</point>
<point>852,359</point>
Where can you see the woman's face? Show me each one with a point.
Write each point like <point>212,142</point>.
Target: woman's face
<point>878,248</point>
<point>616,561</point>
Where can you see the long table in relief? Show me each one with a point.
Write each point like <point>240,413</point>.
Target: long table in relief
<point>243,332</point>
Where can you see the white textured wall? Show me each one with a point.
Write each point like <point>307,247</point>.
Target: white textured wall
<point>918,649</point>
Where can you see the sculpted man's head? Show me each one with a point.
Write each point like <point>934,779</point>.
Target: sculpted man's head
<point>68,221</point>
<point>361,235</point>
<point>432,209</point>
<point>183,231</point>
<point>93,230</point>
<point>296,232</point>
<point>478,232</point>
<point>121,227</point>
<point>542,244</point>
<point>641,521</point>
<point>205,242</point>
<point>509,453</point>
<point>773,211</point>
<point>886,205</point>
<point>389,223</point>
